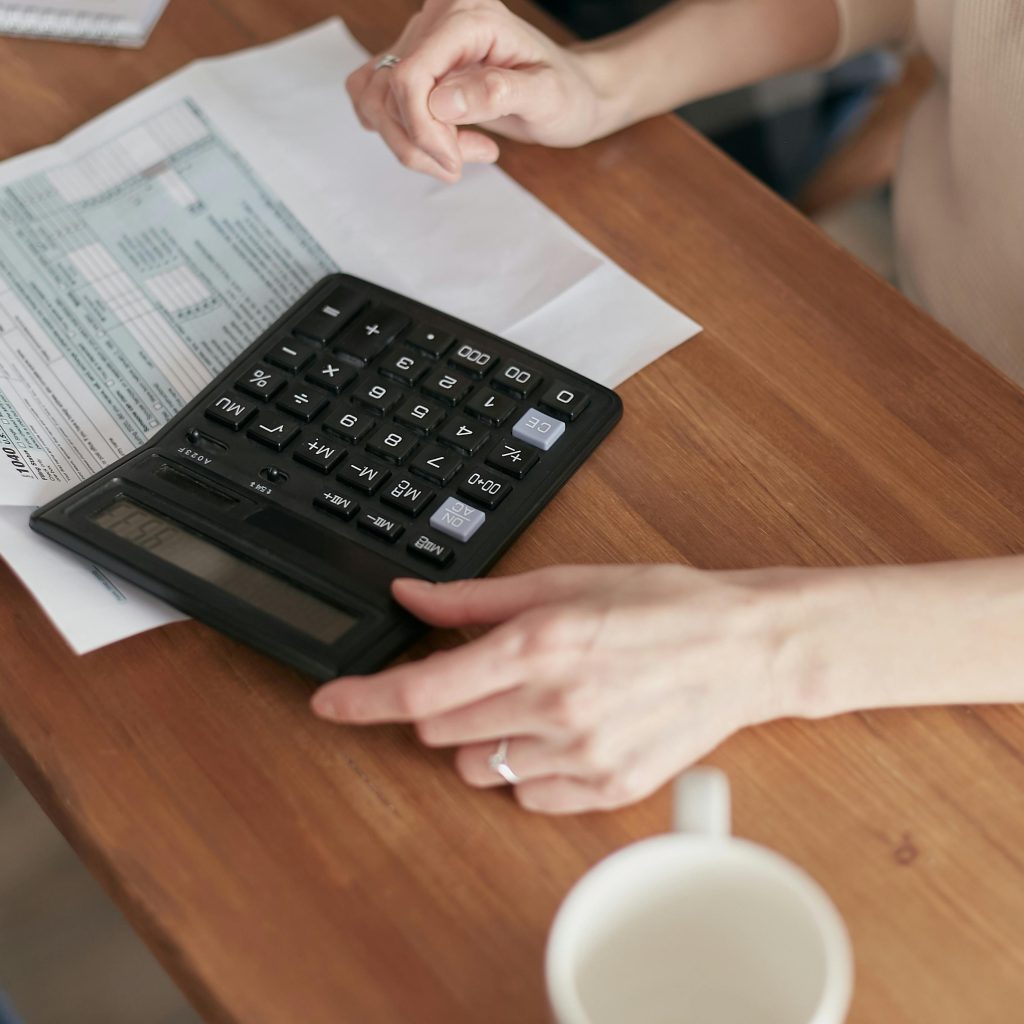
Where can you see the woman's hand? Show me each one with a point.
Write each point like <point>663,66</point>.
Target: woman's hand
<point>608,680</point>
<point>473,62</point>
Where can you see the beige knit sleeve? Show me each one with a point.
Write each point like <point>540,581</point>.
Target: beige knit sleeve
<point>867,23</point>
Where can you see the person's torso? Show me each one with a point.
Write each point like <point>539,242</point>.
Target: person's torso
<point>960,185</point>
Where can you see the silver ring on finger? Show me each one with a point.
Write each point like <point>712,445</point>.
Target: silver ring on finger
<point>498,762</point>
<point>389,60</point>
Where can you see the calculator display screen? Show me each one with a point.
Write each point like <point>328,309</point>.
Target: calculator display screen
<point>244,581</point>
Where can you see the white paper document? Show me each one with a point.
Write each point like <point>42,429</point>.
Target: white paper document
<point>143,252</point>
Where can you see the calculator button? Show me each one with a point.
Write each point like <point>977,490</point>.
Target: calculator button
<point>538,429</point>
<point>404,365</point>
<point>231,411</point>
<point>340,505</point>
<point>336,311</point>
<point>362,474</point>
<point>274,432</point>
<point>512,457</point>
<point>484,490</point>
<point>516,380</point>
<point>331,374</point>
<point>371,332</point>
<point>318,452</point>
<point>350,423</point>
<point>420,414</point>
<point>303,403</point>
<point>392,443</point>
<point>457,519</point>
<point>463,434</point>
<point>473,360</point>
<point>274,475</point>
<point>564,400</point>
<point>430,340</point>
<point>430,550</point>
<point>290,354</point>
<point>261,382</point>
<point>381,526</point>
<point>436,464</point>
<point>407,496</point>
<point>448,385</point>
<point>377,395</point>
<point>491,407</point>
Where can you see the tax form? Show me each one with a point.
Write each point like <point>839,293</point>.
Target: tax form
<point>142,253</point>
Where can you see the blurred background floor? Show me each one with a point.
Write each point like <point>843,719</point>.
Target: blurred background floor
<point>67,956</point>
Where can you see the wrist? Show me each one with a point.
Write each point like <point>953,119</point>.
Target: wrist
<point>606,70</point>
<point>816,628</point>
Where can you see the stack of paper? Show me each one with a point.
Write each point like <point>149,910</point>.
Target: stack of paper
<point>117,22</point>
<point>142,253</point>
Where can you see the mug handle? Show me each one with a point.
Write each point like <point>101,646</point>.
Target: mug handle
<point>702,805</point>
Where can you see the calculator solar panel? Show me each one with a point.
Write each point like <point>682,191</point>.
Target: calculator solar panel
<point>363,437</point>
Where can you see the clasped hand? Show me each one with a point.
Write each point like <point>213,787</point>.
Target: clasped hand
<point>473,62</point>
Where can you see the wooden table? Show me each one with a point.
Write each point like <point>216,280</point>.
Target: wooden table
<point>287,871</point>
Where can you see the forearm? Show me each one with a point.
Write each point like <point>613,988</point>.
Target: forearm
<point>898,636</point>
<point>697,48</point>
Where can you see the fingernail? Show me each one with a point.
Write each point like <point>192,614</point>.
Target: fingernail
<point>448,102</point>
<point>413,583</point>
<point>323,707</point>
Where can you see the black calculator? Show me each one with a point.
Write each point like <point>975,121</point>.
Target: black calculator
<point>363,437</point>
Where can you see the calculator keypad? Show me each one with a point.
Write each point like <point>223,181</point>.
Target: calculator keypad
<point>319,453</point>
<point>274,431</point>
<point>330,316</point>
<point>290,354</point>
<point>377,395</point>
<point>370,333</point>
<point>394,423</point>
<point>231,411</point>
<point>436,464</point>
<point>450,386</point>
<point>303,403</point>
<point>463,434</point>
<point>331,374</point>
<point>392,442</point>
<point>564,400</point>
<point>362,474</point>
<point>384,526</point>
<point>538,429</point>
<point>262,382</point>
<point>457,519</point>
<point>491,407</point>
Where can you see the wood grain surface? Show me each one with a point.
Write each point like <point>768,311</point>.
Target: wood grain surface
<point>288,871</point>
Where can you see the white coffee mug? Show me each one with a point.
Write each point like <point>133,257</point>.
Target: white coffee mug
<point>698,927</point>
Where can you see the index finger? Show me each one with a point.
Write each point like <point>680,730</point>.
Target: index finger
<point>420,689</point>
